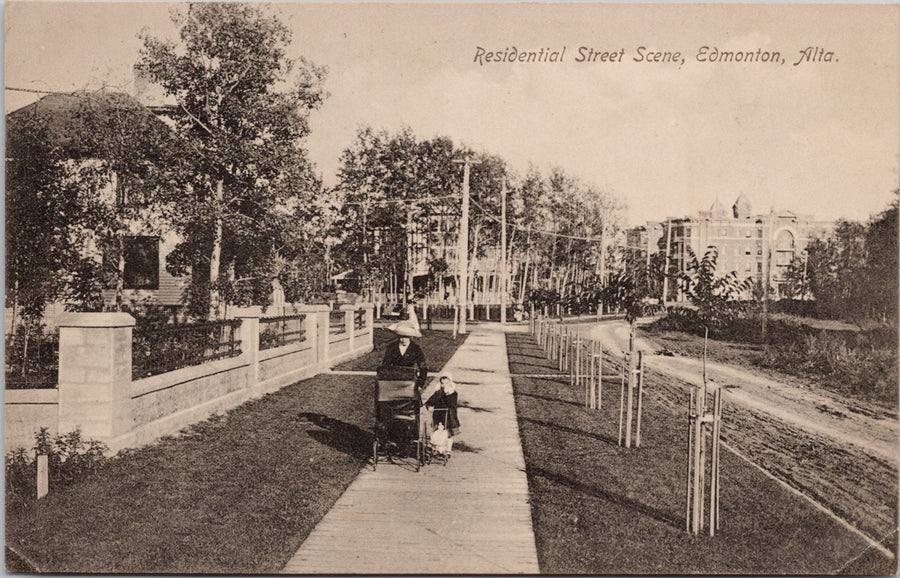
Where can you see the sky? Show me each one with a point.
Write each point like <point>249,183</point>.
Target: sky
<point>821,137</point>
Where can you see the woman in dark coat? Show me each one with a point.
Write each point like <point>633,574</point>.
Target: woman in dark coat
<point>406,353</point>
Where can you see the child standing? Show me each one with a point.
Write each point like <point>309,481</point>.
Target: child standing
<point>445,399</point>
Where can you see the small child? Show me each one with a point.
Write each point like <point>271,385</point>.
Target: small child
<point>443,443</point>
<point>445,399</point>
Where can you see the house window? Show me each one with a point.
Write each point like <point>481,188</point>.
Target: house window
<point>141,263</point>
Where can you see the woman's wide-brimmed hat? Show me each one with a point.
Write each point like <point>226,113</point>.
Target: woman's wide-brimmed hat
<point>405,329</point>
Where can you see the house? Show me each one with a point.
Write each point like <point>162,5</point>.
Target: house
<point>73,122</point>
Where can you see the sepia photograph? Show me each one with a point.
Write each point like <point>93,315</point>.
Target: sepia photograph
<point>449,288</point>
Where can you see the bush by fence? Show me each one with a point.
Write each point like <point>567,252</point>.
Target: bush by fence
<point>32,361</point>
<point>69,458</point>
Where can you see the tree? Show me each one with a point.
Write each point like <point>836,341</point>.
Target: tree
<point>880,290</point>
<point>242,109</point>
<point>715,297</point>
<point>128,151</point>
<point>42,209</point>
<point>836,269</point>
<point>630,290</point>
<point>392,185</point>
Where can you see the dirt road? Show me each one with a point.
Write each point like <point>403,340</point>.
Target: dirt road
<point>842,454</point>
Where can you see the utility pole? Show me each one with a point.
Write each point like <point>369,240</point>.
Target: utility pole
<point>602,261</point>
<point>463,257</point>
<point>767,273</point>
<point>408,282</point>
<point>504,280</point>
<point>665,294</point>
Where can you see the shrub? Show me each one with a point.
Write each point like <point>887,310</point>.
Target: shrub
<point>860,363</point>
<point>69,458</point>
<point>32,358</point>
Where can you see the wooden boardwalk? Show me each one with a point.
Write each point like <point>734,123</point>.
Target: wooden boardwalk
<point>471,516</point>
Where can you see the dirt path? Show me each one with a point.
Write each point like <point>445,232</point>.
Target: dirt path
<point>843,455</point>
<point>875,432</point>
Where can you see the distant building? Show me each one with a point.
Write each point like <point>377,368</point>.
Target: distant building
<point>750,244</point>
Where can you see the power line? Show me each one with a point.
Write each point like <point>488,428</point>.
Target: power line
<point>529,230</point>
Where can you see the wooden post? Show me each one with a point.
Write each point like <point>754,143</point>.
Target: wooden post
<point>592,376</point>
<point>622,402</point>
<point>640,398</point>
<point>690,459</point>
<point>599,357</point>
<point>716,445</point>
<point>697,465</point>
<point>43,476</point>
<point>504,274</point>
<point>630,402</point>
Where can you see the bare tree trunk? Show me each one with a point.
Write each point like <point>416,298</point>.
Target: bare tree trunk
<point>522,292</point>
<point>216,254</point>
<point>120,276</point>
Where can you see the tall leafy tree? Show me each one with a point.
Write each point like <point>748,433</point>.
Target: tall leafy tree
<point>882,251</point>
<point>243,109</point>
<point>42,209</point>
<point>391,185</point>
<point>835,266</point>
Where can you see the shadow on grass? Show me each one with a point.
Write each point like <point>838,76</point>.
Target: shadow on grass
<point>570,430</point>
<point>342,436</point>
<point>617,499</point>
<point>548,398</point>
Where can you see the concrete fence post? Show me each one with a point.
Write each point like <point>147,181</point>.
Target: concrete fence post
<point>249,335</point>
<point>95,376</point>
<point>317,328</point>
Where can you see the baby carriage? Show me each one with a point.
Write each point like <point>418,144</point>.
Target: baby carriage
<point>397,425</point>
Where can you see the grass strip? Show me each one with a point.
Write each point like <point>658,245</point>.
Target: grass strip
<point>599,508</point>
<point>237,493</point>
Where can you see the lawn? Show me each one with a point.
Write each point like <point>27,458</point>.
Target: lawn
<point>601,509</point>
<point>237,493</point>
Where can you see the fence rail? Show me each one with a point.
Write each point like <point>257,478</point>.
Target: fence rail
<point>282,330</point>
<point>337,323</point>
<point>160,350</point>
<point>359,320</point>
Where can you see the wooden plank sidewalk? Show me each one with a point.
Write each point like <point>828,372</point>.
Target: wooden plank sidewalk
<point>471,516</point>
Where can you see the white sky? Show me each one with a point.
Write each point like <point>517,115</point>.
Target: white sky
<point>818,138</point>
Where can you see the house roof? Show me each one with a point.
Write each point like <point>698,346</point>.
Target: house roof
<point>69,118</point>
